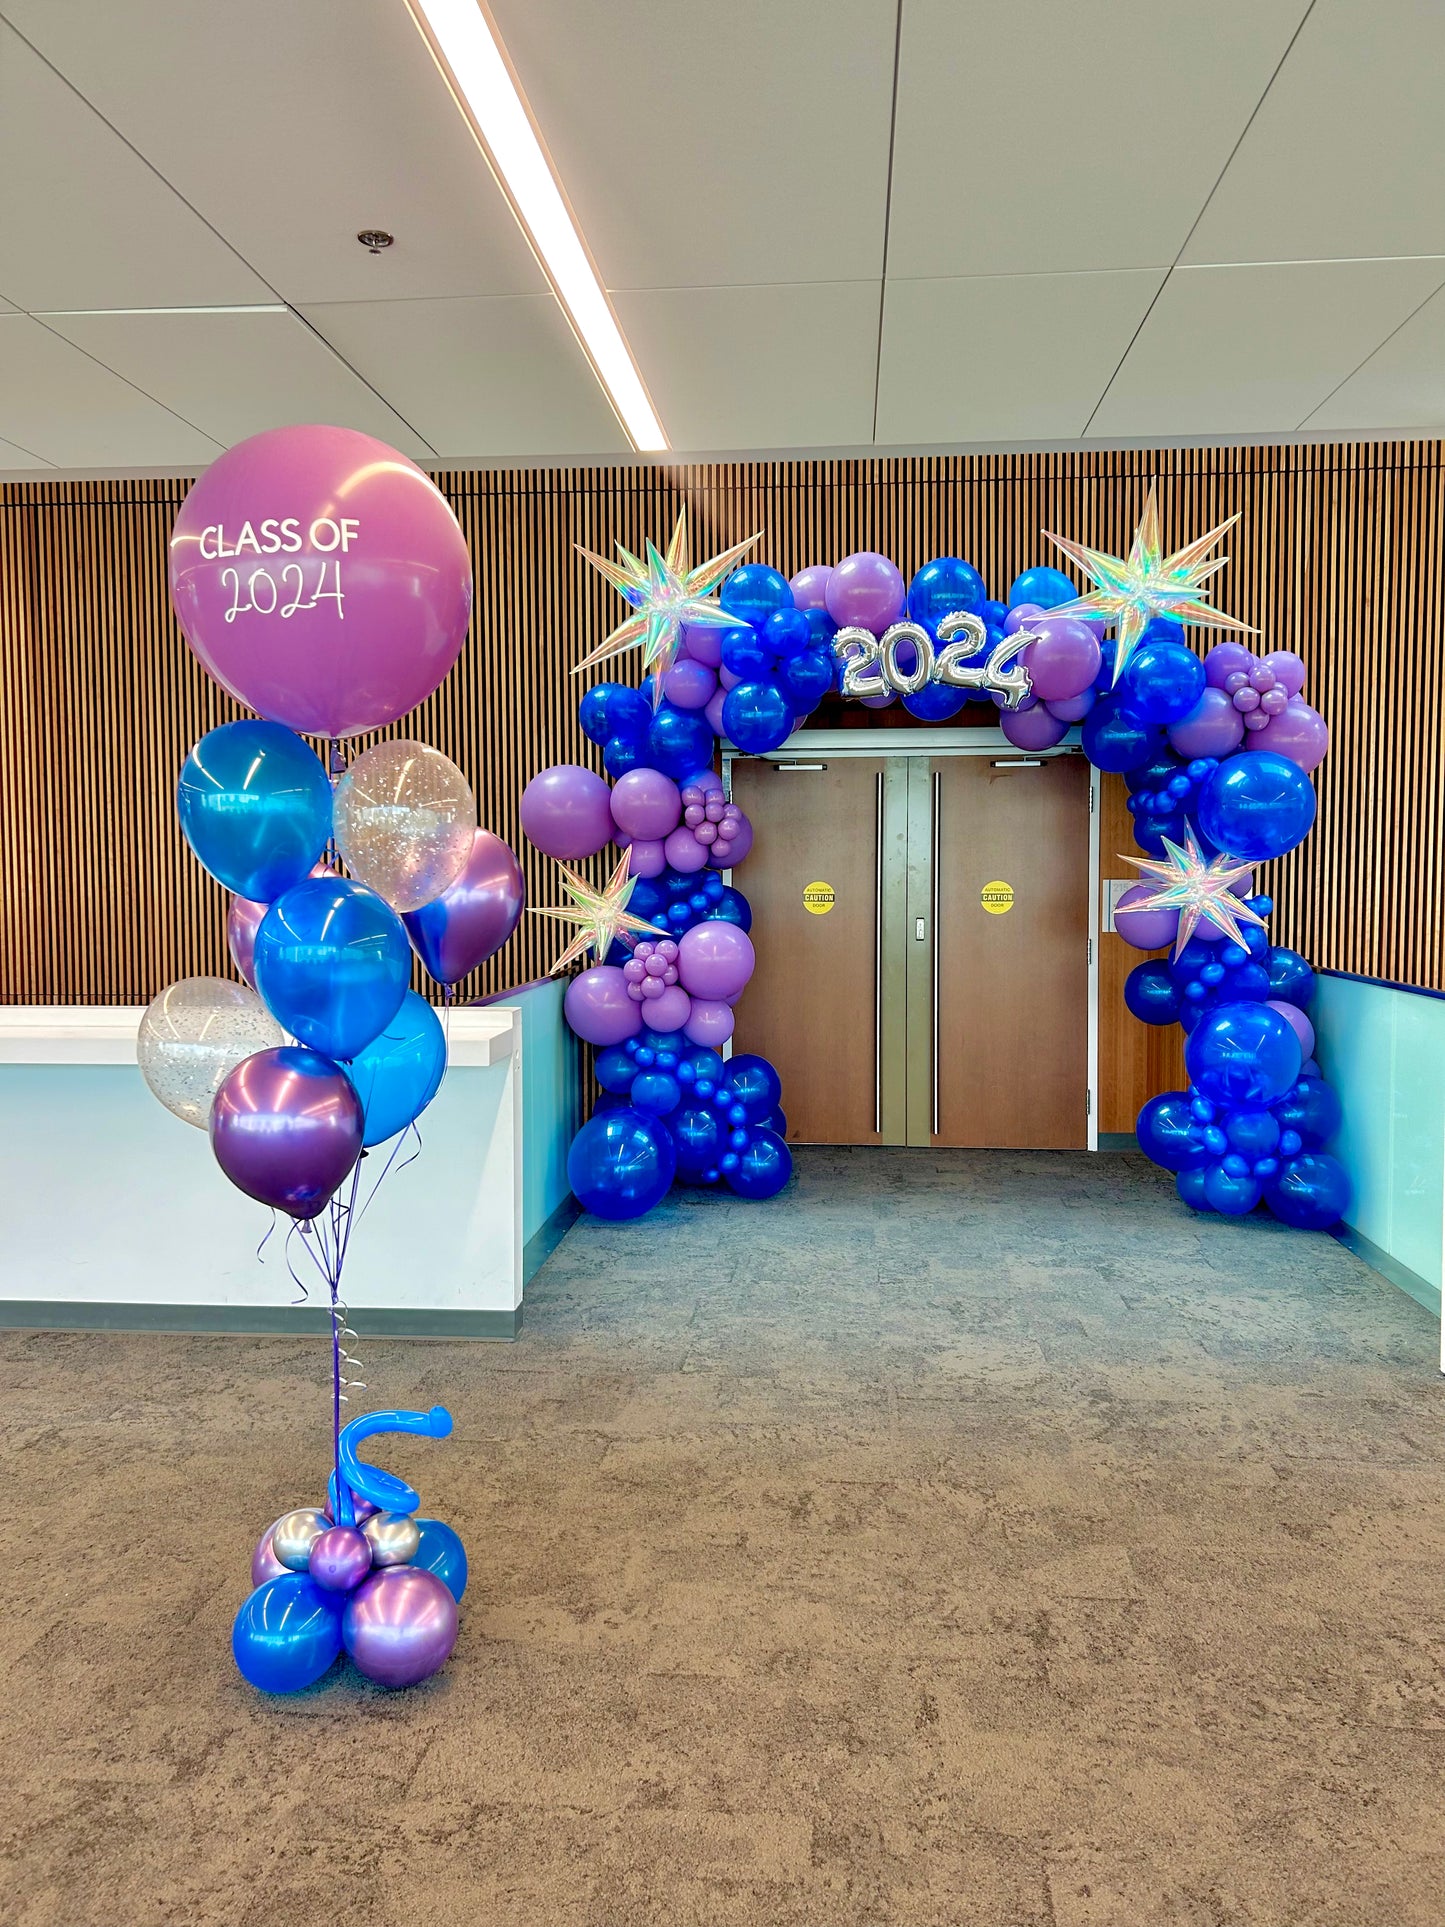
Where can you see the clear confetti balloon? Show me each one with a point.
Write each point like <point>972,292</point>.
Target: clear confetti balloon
<point>404,821</point>
<point>194,1035</point>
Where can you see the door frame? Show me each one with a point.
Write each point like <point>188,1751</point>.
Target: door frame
<point>818,744</point>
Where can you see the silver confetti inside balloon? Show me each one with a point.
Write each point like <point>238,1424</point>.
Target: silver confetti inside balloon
<point>293,1536</point>
<point>194,1035</point>
<point>404,821</point>
<point>395,1538</point>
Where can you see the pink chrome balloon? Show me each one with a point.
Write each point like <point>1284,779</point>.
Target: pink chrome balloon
<point>321,578</point>
<point>243,920</point>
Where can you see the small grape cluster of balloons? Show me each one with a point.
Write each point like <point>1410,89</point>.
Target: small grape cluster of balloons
<point>361,1574</point>
<point>668,1112</point>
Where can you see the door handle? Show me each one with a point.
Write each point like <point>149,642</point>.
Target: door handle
<point>937,835</point>
<point>878,959</point>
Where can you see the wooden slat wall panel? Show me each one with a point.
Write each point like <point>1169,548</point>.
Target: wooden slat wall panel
<point>1337,555</point>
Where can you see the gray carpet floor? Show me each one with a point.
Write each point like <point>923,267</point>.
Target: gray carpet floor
<point>962,1540</point>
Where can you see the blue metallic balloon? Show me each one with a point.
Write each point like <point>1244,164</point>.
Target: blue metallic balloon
<point>935,702</point>
<point>255,805</point>
<point>1253,1133</point>
<point>615,1068</point>
<point>613,709</point>
<point>1190,1186</point>
<point>753,592</point>
<point>1311,1192</point>
<point>763,1166</point>
<point>1046,588</point>
<point>400,1072</point>
<point>1257,805</point>
<point>757,717</point>
<point>944,585</point>
<point>787,633</point>
<point>1163,682</point>
<point>1152,994</point>
<point>1312,1109</point>
<point>443,1553</point>
<point>621,1163</point>
<point>1291,979</point>
<point>656,1092</point>
<point>1231,1192</point>
<point>1115,740</point>
<point>698,1135</point>
<point>744,655</point>
<point>622,754</point>
<point>287,1633</point>
<point>703,1066</point>
<point>731,906</point>
<point>332,963</point>
<point>1169,1133</point>
<point>806,678</point>
<point>679,740</point>
<point>1243,1055</point>
<point>753,1085</point>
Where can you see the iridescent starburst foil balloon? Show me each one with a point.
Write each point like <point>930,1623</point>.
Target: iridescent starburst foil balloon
<point>1202,892</point>
<point>598,915</point>
<point>1130,591</point>
<point>664,593</point>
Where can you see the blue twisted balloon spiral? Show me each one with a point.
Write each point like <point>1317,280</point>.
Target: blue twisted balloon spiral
<point>382,1489</point>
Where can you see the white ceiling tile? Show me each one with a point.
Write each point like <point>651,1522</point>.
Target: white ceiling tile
<point>1045,138</point>
<point>84,223</point>
<point>1253,350</point>
<point>1402,385</point>
<point>764,368</point>
<point>235,374</point>
<point>1345,156</point>
<point>1003,357</point>
<point>479,379</point>
<point>13,458</point>
<point>704,147</point>
<point>66,408</point>
<point>291,126</point>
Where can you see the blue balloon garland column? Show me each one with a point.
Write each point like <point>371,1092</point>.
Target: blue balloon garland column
<point>669,943</point>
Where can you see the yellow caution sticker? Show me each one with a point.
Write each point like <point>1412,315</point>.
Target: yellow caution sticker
<point>818,898</point>
<point>997,898</point>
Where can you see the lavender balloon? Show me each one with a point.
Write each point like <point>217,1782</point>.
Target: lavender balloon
<point>1288,668</point>
<point>1033,728</point>
<point>287,1127</point>
<point>474,916</point>
<point>400,1625</point>
<point>684,851</point>
<point>866,590</point>
<point>1298,1023</point>
<point>1145,929</point>
<point>1073,709</point>
<point>715,960</point>
<point>566,811</point>
<point>667,1011</point>
<point>1214,727</point>
<point>810,586</point>
<point>1298,732</point>
<point>704,643</point>
<point>709,1024</point>
<point>1065,659</point>
<point>1226,659</point>
<point>321,578</point>
<point>645,803</point>
<point>689,684</point>
<point>598,1007</point>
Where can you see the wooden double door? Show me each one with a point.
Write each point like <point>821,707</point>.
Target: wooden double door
<point>922,932</point>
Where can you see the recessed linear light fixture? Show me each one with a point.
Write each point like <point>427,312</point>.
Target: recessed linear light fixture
<point>469,51</point>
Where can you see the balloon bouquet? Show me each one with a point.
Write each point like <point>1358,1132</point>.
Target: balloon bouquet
<point>671,953</point>
<point>332,623</point>
<point>1217,753</point>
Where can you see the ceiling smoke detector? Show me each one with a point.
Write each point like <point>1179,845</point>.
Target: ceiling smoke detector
<point>374,239</point>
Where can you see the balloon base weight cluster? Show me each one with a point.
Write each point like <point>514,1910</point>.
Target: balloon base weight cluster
<point>361,1575</point>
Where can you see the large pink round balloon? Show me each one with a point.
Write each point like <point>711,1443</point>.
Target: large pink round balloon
<point>321,578</point>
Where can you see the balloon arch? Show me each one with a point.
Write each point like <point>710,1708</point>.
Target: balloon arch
<point>1216,752</point>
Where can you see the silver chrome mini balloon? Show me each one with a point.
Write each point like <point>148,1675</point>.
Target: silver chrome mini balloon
<point>293,1536</point>
<point>194,1035</point>
<point>405,818</point>
<point>394,1536</point>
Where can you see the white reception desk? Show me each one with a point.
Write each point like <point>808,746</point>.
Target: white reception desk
<point>114,1213</point>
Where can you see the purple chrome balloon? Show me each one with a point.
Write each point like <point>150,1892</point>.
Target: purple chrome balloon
<point>286,1127</point>
<point>321,578</point>
<point>340,1558</point>
<point>400,1625</point>
<point>474,916</point>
